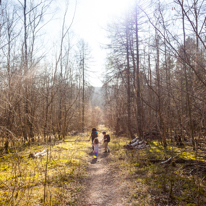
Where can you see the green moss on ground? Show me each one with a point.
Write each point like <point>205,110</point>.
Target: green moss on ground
<point>155,183</point>
<point>22,179</point>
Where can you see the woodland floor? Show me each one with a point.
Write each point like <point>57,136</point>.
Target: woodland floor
<point>119,178</point>
<point>127,178</point>
<point>104,186</point>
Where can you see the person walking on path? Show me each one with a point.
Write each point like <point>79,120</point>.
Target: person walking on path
<point>94,134</point>
<point>96,147</point>
<point>106,141</point>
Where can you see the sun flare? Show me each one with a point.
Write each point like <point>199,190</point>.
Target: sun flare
<point>115,7</point>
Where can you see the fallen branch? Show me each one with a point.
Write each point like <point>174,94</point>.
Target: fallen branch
<point>191,171</point>
<point>38,154</point>
<point>169,160</point>
<point>5,185</point>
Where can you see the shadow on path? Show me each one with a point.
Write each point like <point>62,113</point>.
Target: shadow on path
<point>94,160</point>
<point>104,155</point>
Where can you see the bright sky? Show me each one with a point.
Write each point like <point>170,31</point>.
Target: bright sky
<point>90,23</point>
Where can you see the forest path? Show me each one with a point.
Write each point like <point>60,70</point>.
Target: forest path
<point>103,186</point>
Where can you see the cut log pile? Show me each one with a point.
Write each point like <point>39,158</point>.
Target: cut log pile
<point>136,143</point>
<point>38,154</point>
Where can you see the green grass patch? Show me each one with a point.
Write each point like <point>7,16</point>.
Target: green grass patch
<point>22,179</point>
<point>159,184</point>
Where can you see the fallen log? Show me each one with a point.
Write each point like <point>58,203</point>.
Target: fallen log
<point>136,144</point>
<point>38,154</point>
<point>134,140</point>
<point>141,146</point>
<point>169,160</point>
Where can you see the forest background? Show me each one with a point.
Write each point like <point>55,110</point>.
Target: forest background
<point>154,82</point>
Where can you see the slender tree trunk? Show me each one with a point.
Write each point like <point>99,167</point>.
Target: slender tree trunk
<point>25,73</point>
<point>139,104</point>
<point>186,79</point>
<point>128,84</point>
<point>150,85</point>
<point>83,92</point>
<point>159,107</point>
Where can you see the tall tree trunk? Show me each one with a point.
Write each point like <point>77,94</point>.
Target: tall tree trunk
<point>128,84</point>
<point>186,79</point>
<point>159,108</point>
<point>139,104</point>
<point>83,92</point>
<point>25,132</point>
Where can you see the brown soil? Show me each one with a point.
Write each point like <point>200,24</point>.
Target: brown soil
<point>103,186</point>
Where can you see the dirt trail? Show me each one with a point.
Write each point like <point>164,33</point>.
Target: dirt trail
<point>103,186</point>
